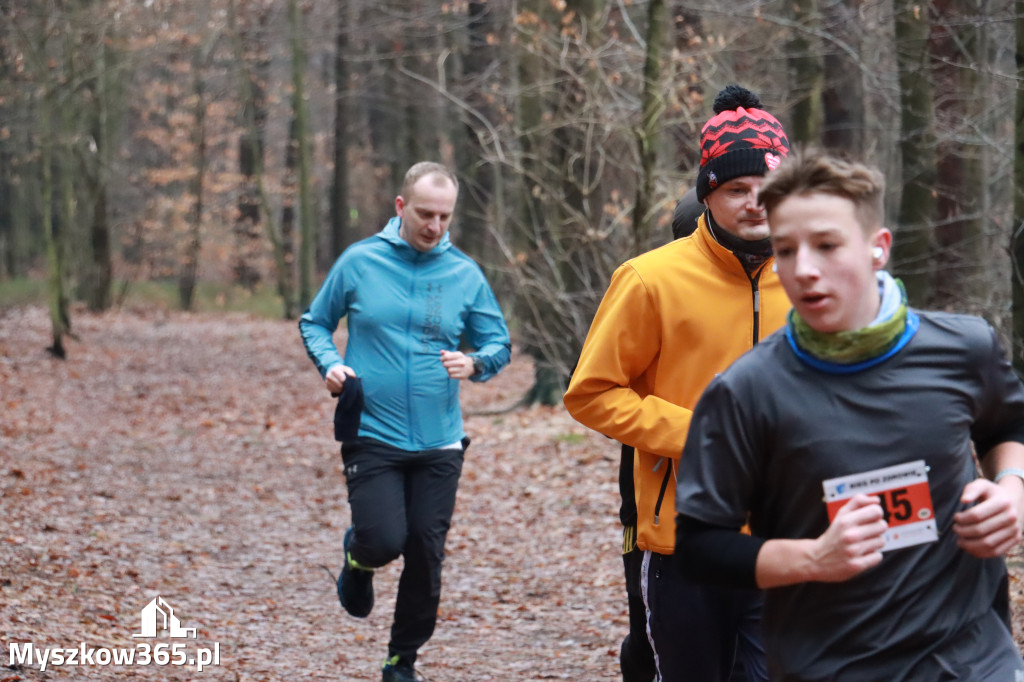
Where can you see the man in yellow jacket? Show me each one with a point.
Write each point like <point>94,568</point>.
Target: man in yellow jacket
<point>670,321</point>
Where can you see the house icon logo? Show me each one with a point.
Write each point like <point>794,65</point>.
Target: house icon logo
<point>160,611</point>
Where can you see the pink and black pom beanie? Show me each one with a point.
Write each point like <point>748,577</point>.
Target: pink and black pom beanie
<point>740,139</point>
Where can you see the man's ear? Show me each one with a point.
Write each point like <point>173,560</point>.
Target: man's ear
<point>881,245</point>
<point>399,206</point>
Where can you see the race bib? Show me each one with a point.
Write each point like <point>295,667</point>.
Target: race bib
<point>906,501</point>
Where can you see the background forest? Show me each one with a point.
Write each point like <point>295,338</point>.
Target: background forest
<point>242,144</point>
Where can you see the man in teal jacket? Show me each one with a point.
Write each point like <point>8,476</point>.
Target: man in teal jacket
<point>409,297</point>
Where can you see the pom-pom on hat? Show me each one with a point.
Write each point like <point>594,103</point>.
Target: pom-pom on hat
<point>740,139</point>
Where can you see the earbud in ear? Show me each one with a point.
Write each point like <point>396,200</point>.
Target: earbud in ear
<point>877,252</point>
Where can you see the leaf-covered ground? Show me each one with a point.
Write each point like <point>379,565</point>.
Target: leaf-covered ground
<point>191,457</point>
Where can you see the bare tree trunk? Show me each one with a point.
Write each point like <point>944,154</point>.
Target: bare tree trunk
<point>8,234</point>
<point>289,184</point>
<point>652,106</point>
<point>959,230</point>
<point>565,202</point>
<point>99,293</point>
<point>688,34</point>
<point>64,162</point>
<point>479,176</point>
<point>532,214</point>
<point>99,268</point>
<point>393,124</point>
<point>1017,241</point>
<point>60,321</point>
<point>843,93</point>
<point>806,73</point>
<point>340,210</point>
<point>253,208</point>
<point>307,222</point>
<point>254,203</point>
<point>197,183</point>
<point>190,265</point>
<point>912,251</point>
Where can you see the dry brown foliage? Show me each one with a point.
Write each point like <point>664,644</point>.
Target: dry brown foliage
<point>191,457</point>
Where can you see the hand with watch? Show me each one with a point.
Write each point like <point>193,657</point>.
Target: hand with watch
<point>459,365</point>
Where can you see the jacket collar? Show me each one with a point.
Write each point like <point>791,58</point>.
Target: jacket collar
<point>722,257</point>
<point>405,249</point>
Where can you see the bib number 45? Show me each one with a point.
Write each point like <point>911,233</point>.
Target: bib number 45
<point>905,497</point>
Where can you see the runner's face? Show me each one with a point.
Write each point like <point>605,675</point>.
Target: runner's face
<point>825,260</point>
<point>427,212</point>
<point>735,209</point>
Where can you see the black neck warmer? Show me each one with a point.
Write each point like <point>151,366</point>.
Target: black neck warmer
<point>752,254</point>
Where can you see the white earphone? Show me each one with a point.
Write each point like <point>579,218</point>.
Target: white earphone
<point>877,252</point>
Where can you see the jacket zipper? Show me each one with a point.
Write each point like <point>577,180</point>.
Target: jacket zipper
<point>413,418</point>
<point>756,291</point>
<point>664,487</point>
<point>756,296</point>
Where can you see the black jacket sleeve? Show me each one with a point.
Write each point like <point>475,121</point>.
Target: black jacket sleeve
<point>715,555</point>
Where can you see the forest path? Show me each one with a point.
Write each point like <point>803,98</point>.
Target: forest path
<point>191,457</point>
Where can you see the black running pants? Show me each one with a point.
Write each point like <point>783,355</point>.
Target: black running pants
<point>402,504</point>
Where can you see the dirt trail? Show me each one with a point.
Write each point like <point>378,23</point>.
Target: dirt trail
<point>191,457</point>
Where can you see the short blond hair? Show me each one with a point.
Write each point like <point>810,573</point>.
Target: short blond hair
<point>424,168</point>
<point>814,170</point>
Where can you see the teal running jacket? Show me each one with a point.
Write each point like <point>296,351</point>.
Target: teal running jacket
<point>402,308</point>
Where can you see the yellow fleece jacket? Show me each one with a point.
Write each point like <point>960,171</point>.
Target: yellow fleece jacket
<point>670,321</point>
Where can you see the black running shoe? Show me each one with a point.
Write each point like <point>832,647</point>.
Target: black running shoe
<point>398,670</point>
<point>355,584</point>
